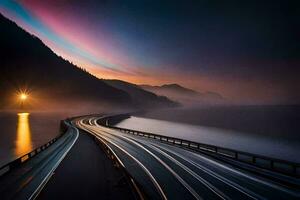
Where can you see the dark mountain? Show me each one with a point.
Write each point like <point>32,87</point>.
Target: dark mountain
<point>27,64</point>
<point>184,95</point>
<point>170,88</point>
<point>144,97</point>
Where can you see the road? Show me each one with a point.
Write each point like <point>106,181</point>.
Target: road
<point>86,173</point>
<point>164,171</point>
<point>27,180</point>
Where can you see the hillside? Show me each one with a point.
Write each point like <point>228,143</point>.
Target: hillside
<point>184,95</point>
<point>170,88</point>
<point>143,97</point>
<point>26,63</point>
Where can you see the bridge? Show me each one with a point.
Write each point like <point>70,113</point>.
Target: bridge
<point>144,166</point>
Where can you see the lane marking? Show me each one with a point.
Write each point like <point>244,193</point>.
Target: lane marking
<point>141,165</point>
<point>122,164</point>
<point>191,172</point>
<point>215,175</point>
<point>276,187</point>
<point>153,180</point>
<point>183,182</point>
<point>204,169</point>
<point>37,191</point>
<point>256,179</point>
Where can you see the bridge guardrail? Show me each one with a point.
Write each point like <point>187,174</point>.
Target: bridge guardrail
<point>117,163</point>
<point>19,161</point>
<point>273,164</point>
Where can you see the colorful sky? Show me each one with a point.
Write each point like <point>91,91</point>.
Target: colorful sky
<point>248,52</point>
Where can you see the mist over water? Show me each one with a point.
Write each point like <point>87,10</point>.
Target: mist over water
<point>266,130</point>
<point>26,129</point>
<point>273,120</point>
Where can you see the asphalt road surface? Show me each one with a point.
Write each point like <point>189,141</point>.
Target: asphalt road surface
<point>164,171</point>
<point>27,180</point>
<point>86,173</point>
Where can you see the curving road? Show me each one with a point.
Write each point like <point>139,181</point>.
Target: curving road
<point>27,180</point>
<point>163,171</point>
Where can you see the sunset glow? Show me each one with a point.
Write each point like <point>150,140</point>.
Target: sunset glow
<point>134,44</point>
<point>148,99</point>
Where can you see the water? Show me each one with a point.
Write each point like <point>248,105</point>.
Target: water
<point>274,121</point>
<point>270,131</point>
<point>23,132</point>
<point>283,145</point>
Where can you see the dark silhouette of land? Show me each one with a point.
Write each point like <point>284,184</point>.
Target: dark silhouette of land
<point>184,95</point>
<point>141,96</point>
<point>27,63</point>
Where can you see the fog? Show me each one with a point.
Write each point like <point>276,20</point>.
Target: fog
<point>67,108</point>
<point>275,121</point>
<point>263,144</point>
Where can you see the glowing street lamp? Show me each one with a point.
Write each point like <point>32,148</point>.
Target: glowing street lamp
<point>23,96</point>
<point>23,99</point>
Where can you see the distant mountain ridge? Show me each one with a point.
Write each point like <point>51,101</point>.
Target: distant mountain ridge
<point>136,92</point>
<point>26,62</point>
<point>184,95</point>
<point>174,87</point>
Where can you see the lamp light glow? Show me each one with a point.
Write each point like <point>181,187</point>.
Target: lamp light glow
<point>23,96</point>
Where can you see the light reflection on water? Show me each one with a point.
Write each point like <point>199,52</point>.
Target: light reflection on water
<point>42,126</point>
<point>23,141</point>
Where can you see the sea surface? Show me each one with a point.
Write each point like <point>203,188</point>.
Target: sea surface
<point>268,130</point>
<point>272,131</point>
<point>20,133</point>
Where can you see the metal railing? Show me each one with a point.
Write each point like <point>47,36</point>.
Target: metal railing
<point>273,164</point>
<point>118,164</point>
<point>19,161</point>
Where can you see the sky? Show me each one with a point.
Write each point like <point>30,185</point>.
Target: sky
<point>248,51</point>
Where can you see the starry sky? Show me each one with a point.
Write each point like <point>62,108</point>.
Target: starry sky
<point>248,51</point>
